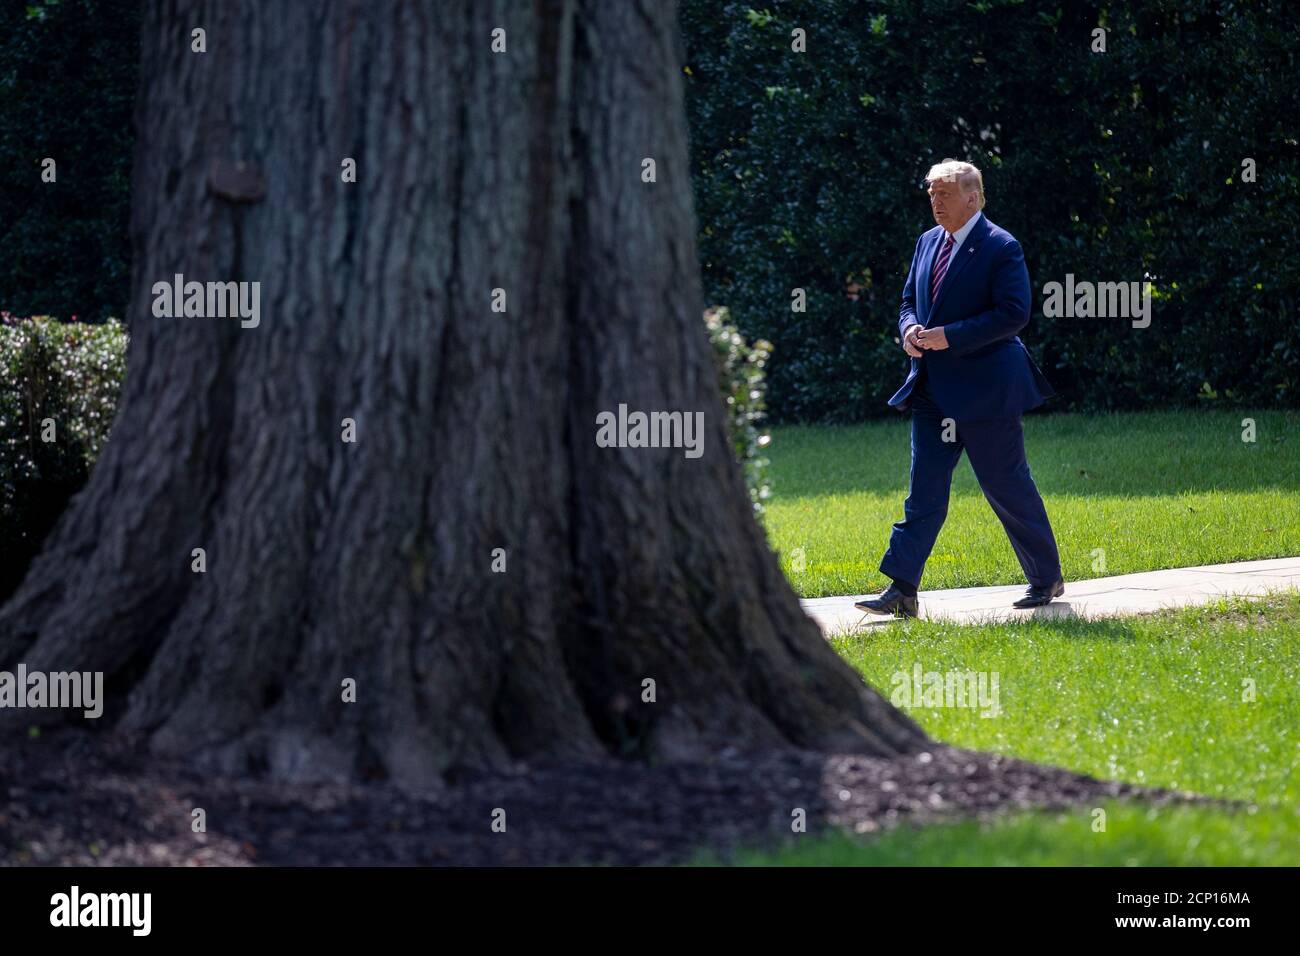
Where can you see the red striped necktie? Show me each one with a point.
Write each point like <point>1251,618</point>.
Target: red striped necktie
<point>940,268</point>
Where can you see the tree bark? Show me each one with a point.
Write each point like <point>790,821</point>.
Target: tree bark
<point>475,429</point>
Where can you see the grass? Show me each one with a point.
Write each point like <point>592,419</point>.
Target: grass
<point>1155,700</point>
<point>1125,493</point>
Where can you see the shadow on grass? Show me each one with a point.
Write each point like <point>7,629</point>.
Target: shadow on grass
<point>1144,454</point>
<point>1063,624</point>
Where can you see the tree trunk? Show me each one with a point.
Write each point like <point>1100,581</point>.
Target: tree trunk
<point>475,429</point>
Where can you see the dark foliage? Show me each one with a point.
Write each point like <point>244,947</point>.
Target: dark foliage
<point>67,87</point>
<point>1111,166</point>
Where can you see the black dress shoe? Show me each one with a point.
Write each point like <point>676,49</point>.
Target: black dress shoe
<point>1038,596</point>
<point>892,602</point>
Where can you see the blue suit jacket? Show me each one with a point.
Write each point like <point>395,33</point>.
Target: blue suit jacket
<point>984,300</point>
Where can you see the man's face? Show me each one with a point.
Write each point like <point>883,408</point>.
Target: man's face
<point>951,207</point>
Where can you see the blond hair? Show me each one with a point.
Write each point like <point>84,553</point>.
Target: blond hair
<point>963,174</point>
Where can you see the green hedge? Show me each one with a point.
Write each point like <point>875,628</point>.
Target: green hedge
<point>807,171</point>
<point>805,166</point>
<point>67,90</point>
<point>58,381</point>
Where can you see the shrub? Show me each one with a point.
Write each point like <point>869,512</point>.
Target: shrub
<point>741,378</point>
<point>59,386</point>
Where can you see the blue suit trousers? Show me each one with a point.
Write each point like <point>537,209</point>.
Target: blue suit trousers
<point>996,449</point>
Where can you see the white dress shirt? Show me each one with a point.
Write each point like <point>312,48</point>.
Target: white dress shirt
<point>960,235</point>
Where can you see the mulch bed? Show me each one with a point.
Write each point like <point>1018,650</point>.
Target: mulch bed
<point>73,798</point>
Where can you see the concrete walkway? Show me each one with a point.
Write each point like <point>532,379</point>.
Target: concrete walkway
<point>1099,597</point>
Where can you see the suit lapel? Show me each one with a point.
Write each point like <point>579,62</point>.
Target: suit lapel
<point>964,255</point>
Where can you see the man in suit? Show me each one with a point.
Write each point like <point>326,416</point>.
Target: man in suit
<point>966,296</point>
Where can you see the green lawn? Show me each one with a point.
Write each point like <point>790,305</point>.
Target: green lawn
<point>1154,700</point>
<point>1150,490</point>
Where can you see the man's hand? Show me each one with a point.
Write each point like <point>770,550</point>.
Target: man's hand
<point>932,338</point>
<point>909,341</point>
